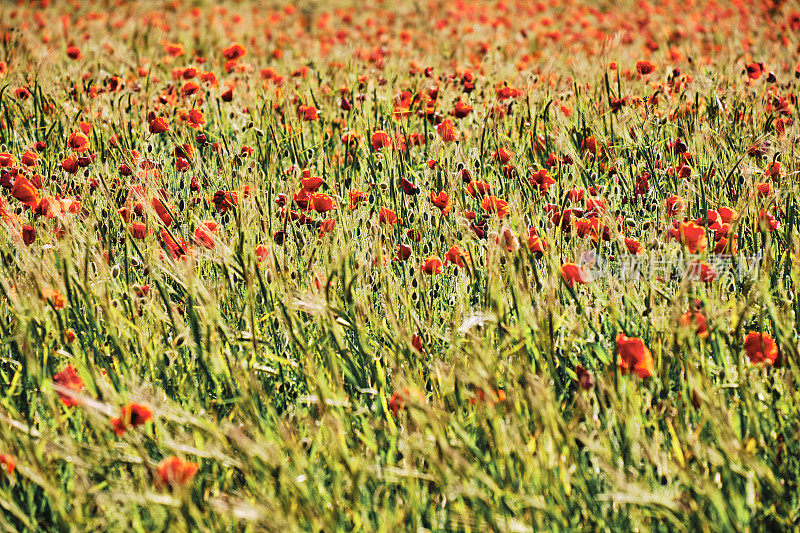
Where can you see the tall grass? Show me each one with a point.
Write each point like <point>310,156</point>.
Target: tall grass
<point>293,381</point>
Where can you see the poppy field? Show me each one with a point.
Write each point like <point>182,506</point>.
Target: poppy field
<point>456,265</point>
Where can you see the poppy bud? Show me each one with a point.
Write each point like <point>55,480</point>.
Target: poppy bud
<point>28,234</point>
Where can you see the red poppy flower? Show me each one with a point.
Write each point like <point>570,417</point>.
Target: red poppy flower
<point>446,131</point>
<point>204,238</point>
<point>158,125</point>
<point>387,216</point>
<point>760,348</point>
<point>433,265</point>
<point>645,67</point>
<point>28,234</point>
<point>380,140</point>
<point>696,321</point>
<point>7,462</point>
<point>234,52</point>
<point>356,197</point>
<point>461,109</point>
<point>131,416</point>
<point>754,70</point>
<point>442,201</point>
<point>402,397</point>
<point>535,243</point>
<point>25,192</point>
<point>478,188</point>
<point>323,203</point>
<point>138,230</point>
<point>767,221</point>
<point>492,204</point>
<point>457,255</point>
<point>727,214</point>
<point>195,119</point>
<point>161,210</point>
<point>634,356</point>
<point>308,113</point>
<point>54,297</point>
<point>262,252</point>
<point>310,183</point>
<point>692,236</point>
<point>542,179</point>
<point>29,159</point>
<point>403,253</point>
<point>174,471</point>
<point>634,246</point>
<point>416,342</point>
<point>70,380</point>
<point>675,205</point>
<point>573,274</point>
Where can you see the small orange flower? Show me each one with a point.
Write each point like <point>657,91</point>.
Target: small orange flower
<point>8,462</point>
<point>159,125</point>
<point>262,252</point>
<point>54,297</point>
<point>380,140</point>
<point>760,348</point>
<point>446,131</point>
<point>457,255</point>
<point>323,203</point>
<point>695,320</point>
<point>131,415</point>
<point>493,204</point>
<point>634,356</point>
<point>70,380</point>
<point>645,67</point>
<point>442,201</point>
<point>433,265</point>
<point>173,471</point>
<point>573,274</point>
<point>692,236</point>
